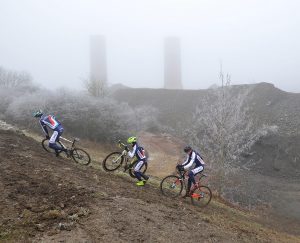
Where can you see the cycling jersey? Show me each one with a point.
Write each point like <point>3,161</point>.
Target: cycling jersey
<point>137,151</point>
<point>193,158</point>
<point>51,122</point>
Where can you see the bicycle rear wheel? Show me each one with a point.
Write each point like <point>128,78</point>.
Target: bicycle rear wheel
<point>80,156</point>
<point>171,186</point>
<point>201,196</point>
<point>113,161</point>
<point>142,169</point>
<point>45,145</point>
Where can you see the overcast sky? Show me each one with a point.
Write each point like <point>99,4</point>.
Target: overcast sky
<point>257,40</point>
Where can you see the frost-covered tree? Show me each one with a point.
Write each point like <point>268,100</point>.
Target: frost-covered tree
<point>95,87</point>
<point>15,79</point>
<point>96,118</point>
<point>224,128</point>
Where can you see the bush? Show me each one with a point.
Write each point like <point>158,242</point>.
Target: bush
<point>98,119</point>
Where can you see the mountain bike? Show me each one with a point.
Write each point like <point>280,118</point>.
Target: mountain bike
<point>78,155</point>
<point>172,186</point>
<point>114,161</point>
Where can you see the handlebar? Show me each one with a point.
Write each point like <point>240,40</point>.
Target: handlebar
<point>121,144</point>
<point>183,173</point>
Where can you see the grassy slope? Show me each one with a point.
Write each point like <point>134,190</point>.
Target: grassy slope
<point>222,222</point>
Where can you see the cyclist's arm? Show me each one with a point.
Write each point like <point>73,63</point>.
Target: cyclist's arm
<point>186,161</point>
<point>190,162</point>
<point>44,128</point>
<point>132,153</point>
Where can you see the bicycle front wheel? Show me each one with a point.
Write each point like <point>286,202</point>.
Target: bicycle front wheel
<point>142,169</point>
<point>80,156</point>
<point>113,161</point>
<point>171,186</point>
<point>201,196</point>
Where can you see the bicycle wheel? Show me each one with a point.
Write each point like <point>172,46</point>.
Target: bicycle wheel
<point>171,186</point>
<point>45,145</point>
<point>112,161</point>
<point>142,169</point>
<point>201,196</point>
<point>80,156</point>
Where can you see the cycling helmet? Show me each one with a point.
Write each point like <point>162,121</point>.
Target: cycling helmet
<point>131,140</point>
<point>187,149</point>
<point>38,113</point>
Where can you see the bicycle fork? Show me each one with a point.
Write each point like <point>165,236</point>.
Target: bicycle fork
<point>175,183</point>
<point>197,195</point>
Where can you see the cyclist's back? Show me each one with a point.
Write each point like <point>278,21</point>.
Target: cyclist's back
<point>49,121</point>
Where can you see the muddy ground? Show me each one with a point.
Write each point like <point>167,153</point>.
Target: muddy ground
<point>49,199</point>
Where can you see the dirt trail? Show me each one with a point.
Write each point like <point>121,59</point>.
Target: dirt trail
<point>49,199</point>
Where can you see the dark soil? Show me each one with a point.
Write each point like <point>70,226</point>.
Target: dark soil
<point>44,198</point>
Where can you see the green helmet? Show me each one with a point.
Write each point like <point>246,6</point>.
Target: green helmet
<point>131,140</point>
<point>38,113</point>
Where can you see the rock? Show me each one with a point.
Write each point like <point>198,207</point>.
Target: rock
<point>40,227</point>
<point>66,226</point>
<point>74,217</point>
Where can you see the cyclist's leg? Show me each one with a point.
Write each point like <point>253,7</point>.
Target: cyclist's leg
<point>192,175</point>
<point>54,138</point>
<point>145,178</point>
<point>52,142</point>
<point>137,171</point>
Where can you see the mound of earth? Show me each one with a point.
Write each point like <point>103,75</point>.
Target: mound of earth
<point>44,198</point>
<point>268,105</point>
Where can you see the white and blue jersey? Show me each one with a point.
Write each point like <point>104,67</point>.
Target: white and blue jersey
<point>139,152</point>
<point>193,158</point>
<point>51,122</point>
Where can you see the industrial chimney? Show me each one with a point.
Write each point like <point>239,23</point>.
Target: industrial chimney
<point>172,56</point>
<point>98,67</point>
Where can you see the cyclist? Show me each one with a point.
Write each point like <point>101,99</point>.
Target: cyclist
<point>141,157</point>
<point>52,123</point>
<point>193,158</point>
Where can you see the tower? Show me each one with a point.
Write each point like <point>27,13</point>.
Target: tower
<point>98,66</point>
<point>172,63</point>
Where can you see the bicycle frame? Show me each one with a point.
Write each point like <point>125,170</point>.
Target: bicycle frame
<point>124,155</point>
<point>182,176</point>
<point>67,140</point>
<point>126,158</point>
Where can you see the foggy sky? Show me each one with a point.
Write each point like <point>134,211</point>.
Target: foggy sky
<point>257,40</point>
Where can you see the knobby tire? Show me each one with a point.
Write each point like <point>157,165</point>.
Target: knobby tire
<point>110,163</point>
<point>171,186</point>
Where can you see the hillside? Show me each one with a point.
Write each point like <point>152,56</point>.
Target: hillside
<point>269,104</point>
<point>45,198</point>
<point>276,156</point>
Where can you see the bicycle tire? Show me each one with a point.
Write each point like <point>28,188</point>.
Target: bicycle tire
<point>201,196</point>
<point>80,156</point>
<point>171,186</point>
<point>143,169</point>
<point>45,145</point>
<point>106,164</point>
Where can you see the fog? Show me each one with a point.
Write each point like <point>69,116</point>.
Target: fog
<point>257,41</point>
